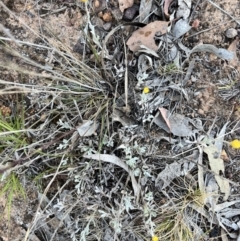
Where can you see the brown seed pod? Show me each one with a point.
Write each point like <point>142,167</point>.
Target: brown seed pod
<point>107,17</point>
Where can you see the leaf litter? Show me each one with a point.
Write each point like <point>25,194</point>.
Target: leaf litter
<point>126,141</point>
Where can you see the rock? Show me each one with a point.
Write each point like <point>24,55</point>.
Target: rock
<point>107,26</point>
<point>131,13</point>
<point>231,33</point>
<point>117,14</point>
<point>97,22</point>
<point>80,47</point>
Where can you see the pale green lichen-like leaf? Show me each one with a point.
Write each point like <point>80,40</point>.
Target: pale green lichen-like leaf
<point>132,162</point>
<point>64,125</point>
<point>128,204</point>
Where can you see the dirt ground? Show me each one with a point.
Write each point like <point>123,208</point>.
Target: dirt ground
<point>213,83</point>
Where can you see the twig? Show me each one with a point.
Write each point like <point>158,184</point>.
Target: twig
<point>54,11</point>
<point>205,30</point>
<point>126,75</point>
<point>229,15</point>
<point>26,43</point>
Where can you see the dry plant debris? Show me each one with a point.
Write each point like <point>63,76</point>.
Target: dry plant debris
<point>124,4</point>
<point>145,36</point>
<point>120,130</point>
<point>166,6</point>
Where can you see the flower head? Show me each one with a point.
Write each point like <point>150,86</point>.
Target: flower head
<point>146,90</point>
<point>155,238</point>
<point>235,144</point>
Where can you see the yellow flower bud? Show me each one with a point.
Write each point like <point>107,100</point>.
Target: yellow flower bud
<point>235,144</point>
<point>155,238</point>
<point>146,90</point>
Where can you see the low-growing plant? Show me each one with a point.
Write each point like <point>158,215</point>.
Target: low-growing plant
<point>177,221</point>
<point>11,187</point>
<point>11,132</point>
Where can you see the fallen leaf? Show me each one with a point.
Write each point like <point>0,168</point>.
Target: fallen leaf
<point>117,161</point>
<point>216,165</point>
<point>165,116</point>
<point>209,48</point>
<point>144,10</point>
<point>180,28</point>
<point>166,6</point>
<point>174,170</point>
<point>233,48</point>
<point>211,191</point>
<point>175,123</point>
<point>124,4</point>
<point>184,9</point>
<point>88,128</point>
<point>145,36</point>
<point>220,139</point>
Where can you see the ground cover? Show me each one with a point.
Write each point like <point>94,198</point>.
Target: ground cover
<point>119,120</point>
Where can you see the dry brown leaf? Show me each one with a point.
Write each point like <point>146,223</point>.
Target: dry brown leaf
<point>124,4</point>
<point>224,156</point>
<point>166,6</point>
<point>164,113</point>
<point>233,48</point>
<point>145,36</point>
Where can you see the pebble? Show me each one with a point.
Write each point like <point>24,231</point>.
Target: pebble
<point>131,13</point>
<point>107,26</point>
<point>97,21</point>
<point>117,14</point>
<point>200,111</point>
<point>231,33</point>
<point>81,48</point>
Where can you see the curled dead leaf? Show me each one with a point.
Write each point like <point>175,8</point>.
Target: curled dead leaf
<point>145,36</point>
<point>124,4</point>
<point>165,116</point>
<point>166,6</point>
<point>233,48</point>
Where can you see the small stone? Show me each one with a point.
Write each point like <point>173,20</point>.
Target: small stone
<point>231,33</point>
<point>97,21</point>
<point>131,13</point>
<point>107,26</point>
<point>81,47</point>
<point>117,14</point>
<point>200,111</point>
<point>99,5</point>
<point>96,4</point>
<point>100,14</point>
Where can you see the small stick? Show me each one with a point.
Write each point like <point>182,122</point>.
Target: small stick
<point>126,76</point>
<point>229,15</point>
